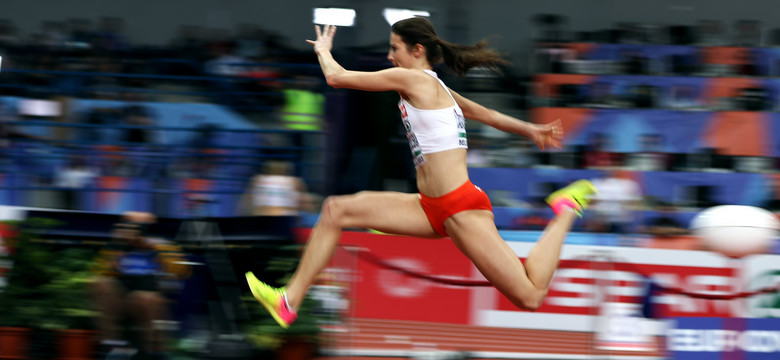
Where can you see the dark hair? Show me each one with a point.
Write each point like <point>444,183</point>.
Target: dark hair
<point>459,58</point>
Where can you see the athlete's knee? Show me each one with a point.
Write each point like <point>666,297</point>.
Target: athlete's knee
<point>330,208</point>
<point>334,208</point>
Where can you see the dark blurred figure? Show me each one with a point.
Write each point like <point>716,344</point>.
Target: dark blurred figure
<point>710,33</point>
<point>110,36</point>
<point>187,48</point>
<point>662,223</point>
<point>634,62</point>
<point>550,27</point>
<point>138,115</point>
<point>73,178</point>
<point>101,118</point>
<point>9,34</point>
<point>552,58</point>
<point>747,33</point>
<point>10,133</point>
<point>570,95</point>
<point>665,231</point>
<point>748,65</point>
<point>651,155</point>
<point>127,289</point>
<point>597,154</point>
<point>204,152</point>
<point>226,66</point>
<point>681,35</point>
<point>250,42</point>
<point>683,97</point>
<point>52,35</point>
<point>772,203</point>
<point>225,61</point>
<point>755,98</point>
<point>682,64</point>
<point>81,33</point>
<point>105,85</point>
<point>644,96</point>
<point>600,96</point>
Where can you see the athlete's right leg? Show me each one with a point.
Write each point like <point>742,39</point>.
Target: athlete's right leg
<point>390,212</point>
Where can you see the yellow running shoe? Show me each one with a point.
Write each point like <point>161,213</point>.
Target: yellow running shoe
<point>575,196</point>
<point>273,299</point>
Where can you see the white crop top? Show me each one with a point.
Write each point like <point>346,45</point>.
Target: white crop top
<point>431,131</point>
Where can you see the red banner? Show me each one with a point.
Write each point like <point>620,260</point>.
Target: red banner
<point>581,284</point>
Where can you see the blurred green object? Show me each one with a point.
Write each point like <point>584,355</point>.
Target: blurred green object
<point>47,285</point>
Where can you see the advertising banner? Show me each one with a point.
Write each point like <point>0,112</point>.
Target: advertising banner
<point>587,277</point>
<point>724,339</point>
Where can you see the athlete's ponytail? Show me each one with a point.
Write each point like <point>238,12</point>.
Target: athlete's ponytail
<point>459,58</point>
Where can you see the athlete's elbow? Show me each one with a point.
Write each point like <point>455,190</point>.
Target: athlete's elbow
<point>334,80</point>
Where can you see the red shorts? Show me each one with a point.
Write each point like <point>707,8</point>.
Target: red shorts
<point>466,197</point>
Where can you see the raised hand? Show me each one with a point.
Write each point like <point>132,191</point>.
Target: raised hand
<point>548,134</point>
<point>324,41</point>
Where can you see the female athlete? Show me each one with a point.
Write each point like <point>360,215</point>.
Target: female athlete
<point>448,204</point>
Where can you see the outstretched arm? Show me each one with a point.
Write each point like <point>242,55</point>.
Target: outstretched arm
<point>541,134</point>
<point>384,80</point>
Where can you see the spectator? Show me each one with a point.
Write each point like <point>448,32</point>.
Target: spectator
<point>663,223</point>
<point>616,203</point>
<point>651,155</point>
<point>81,34</point>
<point>513,152</point>
<point>665,231</point>
<point>52,35</point>
<point>9,35</point>
<point>74,178</point>
<point>478,155</point>
<point>710,33</point>
<point>225,61</point>
<point>683,97</point>
<point>110,35</point>
<point>634,62</point>
<point>203,150</point>
<point>303,113</point>
<point>127,285</point>
<point>597,154</point>
<point>250,42</point>
<point>138,115</point>
<point>188,46</point>
<point>599,95</point>
<point>277,192</point>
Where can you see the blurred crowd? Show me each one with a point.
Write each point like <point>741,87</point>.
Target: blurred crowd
<point>708,49</point>
<point>62,57</point>
<point>48,74</point>
<point>709,66</point>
